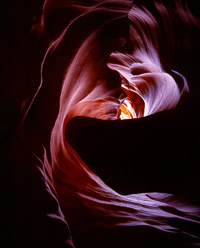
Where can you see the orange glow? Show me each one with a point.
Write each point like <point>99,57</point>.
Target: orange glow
<point>127,111</point>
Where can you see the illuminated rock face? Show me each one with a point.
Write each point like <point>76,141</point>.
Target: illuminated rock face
<point>109,62</point>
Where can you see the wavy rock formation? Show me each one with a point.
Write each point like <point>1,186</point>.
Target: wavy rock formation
<point>114,120</point>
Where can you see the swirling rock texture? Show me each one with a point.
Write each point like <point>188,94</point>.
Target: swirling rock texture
<point>105,146</point>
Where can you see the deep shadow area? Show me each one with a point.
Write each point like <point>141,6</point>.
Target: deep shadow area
<point>129,237</point>
<point>155,153</point>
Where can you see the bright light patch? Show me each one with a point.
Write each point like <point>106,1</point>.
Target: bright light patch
<point>127,111</point>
